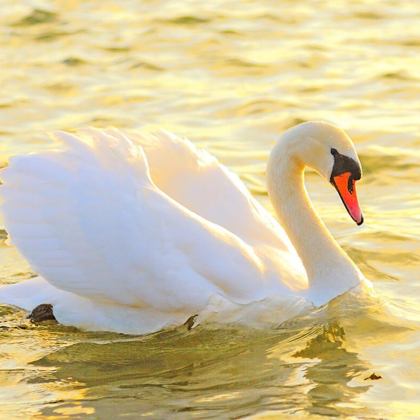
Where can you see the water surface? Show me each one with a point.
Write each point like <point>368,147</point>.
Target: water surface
<point>231,78</point>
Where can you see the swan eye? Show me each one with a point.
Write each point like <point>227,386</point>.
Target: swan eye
<point>344,164</point>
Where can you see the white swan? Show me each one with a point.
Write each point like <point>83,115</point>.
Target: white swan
<point>132,233</point>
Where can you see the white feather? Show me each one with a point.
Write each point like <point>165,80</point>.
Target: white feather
<point>108,233</point>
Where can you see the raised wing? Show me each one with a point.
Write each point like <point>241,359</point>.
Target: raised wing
<point>90,220</point>
<point>199,182</point>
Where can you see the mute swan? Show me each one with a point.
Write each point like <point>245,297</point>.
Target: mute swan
<point>132,233</point>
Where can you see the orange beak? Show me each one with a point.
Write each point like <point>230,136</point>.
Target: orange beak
<point>346,187</point>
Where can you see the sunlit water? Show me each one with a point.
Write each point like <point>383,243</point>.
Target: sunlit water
<point>231,76</point>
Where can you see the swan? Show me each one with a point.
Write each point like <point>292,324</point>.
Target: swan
<point>133,233</point>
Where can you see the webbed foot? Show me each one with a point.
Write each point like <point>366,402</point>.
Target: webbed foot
<point>42,313</point>
<point>189,323</point>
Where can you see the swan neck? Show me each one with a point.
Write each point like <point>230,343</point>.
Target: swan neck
<point>328,267</point>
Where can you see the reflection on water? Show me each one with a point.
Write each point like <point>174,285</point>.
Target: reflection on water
<point>318,364</point>
<point>231,79</point>
<point>208,371</point>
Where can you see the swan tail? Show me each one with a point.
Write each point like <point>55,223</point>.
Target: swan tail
<point>74,310</point>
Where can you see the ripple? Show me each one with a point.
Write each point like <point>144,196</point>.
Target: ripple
<point>146,66</point>
<point>116,49</point>
<point>38,16</point>
<point>374,164</point>
<point>240,62</point>
<point>292,121</point>
<point>410,43</point>
<point>61,88</point>
<point>187,20</point>
<point>74,61</point>
<point>402,75</point>
<point>368,15</point>
<point>52,35</point>
<point>256,107</point>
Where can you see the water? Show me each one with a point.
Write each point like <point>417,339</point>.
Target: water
<point>231,77</point>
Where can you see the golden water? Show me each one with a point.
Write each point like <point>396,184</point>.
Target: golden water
<point>231,76</point>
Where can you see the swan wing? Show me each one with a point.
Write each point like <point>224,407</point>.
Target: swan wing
<point>91,221</point>
<point>202,184</point>
<point>199,182</point>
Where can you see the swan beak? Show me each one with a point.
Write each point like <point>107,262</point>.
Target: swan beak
<point>346,187</point>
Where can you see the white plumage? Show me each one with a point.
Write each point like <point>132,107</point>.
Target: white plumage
<point>131,233</point>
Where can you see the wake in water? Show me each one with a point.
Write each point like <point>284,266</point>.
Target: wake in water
<point>359,303</point>
<point>322,360</point>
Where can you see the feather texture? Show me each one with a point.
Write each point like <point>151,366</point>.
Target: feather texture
<point>124,222</point>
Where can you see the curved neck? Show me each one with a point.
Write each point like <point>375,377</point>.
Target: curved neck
<point>329,269</point>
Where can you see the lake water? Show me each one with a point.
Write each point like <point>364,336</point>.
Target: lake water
<point>231,76</point>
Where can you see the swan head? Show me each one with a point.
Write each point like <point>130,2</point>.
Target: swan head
<point>329,151</point>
